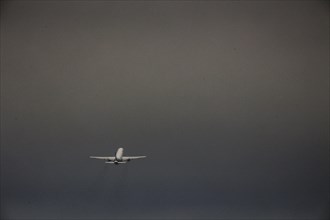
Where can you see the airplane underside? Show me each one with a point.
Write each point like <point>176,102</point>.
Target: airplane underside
<point>115,162</point>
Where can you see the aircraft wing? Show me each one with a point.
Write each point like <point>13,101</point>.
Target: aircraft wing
<point>103,158</point>
<point>133,157</point>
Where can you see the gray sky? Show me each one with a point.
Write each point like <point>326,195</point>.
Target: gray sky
<point>228,99</point>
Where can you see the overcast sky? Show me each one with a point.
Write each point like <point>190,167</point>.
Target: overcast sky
<point>229,100</point>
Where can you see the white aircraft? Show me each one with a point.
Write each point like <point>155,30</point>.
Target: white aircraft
<point>118,158</point>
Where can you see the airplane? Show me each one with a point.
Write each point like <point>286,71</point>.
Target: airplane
<point>118,158</point>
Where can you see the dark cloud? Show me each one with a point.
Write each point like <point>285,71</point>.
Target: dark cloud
<point>229,101</point>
